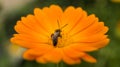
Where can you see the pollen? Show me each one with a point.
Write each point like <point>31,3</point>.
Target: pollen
<point>63,41</point>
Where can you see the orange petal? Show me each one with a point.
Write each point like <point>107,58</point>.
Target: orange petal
<point>20,28</point>
<point>33,24</point>
<point>53,14</point>
<point>27,44</point>
<point>41,59</point>
<point>23,29</point>
<point>34,39</point>
<point>92,38</point>
<point>71,18</point>
<point>31,54</point>
<point>27,56</point>
<point>24,44</point>
<point>82,47</point>
<point>91,34</point>
<point>70,60</point>
<point>97,28</point>
<point>29,41</point>
<point>41,17</point>
<point>104,30</point>
<point>84,23</point>
<point>54,55</point>
<point>75,54</point>
<point>89,58</point>
<point>90,46</point>
<point>39,51</point>
<point>100,44</point>
<point>68,12</point>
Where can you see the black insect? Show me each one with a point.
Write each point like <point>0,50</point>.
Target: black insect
<point>57,34</point>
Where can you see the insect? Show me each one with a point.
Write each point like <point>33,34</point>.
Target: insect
<point>57,34</point>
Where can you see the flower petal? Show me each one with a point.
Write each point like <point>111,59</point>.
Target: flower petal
<point>70,60</point>
<point>89,58</point>
<point>92,38</point>
<point>20,28</point>
<point>75,54</point>
<point>89,46</point>
<point>54,14</point>
<point>54,55</point>
<point>71,17</point>
<point>27,44</point>
<point>94,33</point>
<point>33,39</point>
<point>29,41</point>
<point>84,23</point>
<point>33,24</point>
<point>41,17</point>
<point>41,59</point>
<point>82,47</point>
<point>96,28</point>
<point>31,54</point>
<point>68,12</point>
<point>27,56</point>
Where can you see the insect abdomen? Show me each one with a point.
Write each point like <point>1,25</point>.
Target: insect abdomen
<point>55,37</point>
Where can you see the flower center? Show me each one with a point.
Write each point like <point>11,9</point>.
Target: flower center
<point>60,39</point>
<point>64,41</point>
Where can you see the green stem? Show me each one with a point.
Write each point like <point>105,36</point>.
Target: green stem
<point>58,65</point>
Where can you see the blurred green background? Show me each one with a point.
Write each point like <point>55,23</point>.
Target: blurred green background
<point>107,11</point>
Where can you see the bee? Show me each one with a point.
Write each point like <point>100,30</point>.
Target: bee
<point>57,34</point>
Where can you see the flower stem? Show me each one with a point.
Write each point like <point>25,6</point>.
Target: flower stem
<point>57,65</point>
<point>60,64</point>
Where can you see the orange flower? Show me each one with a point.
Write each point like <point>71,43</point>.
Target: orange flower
<point>51,35</point>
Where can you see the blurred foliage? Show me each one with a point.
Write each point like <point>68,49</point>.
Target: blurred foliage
<point>106,10</point>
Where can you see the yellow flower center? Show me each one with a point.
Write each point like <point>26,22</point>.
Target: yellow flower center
<point>65,40</point>
<point>62,40</point>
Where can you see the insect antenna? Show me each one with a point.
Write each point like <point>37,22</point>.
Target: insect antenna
<point>58,24</point>
<point>63,26</point>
